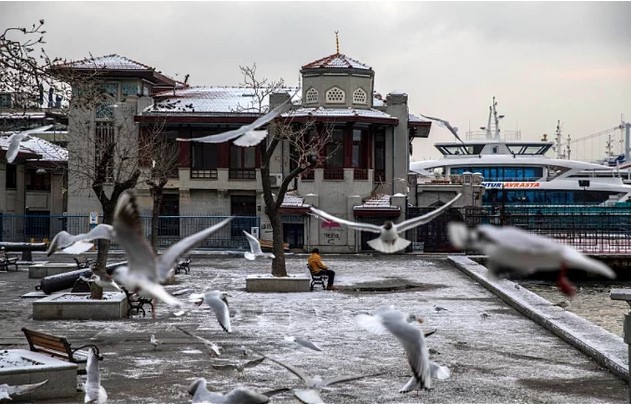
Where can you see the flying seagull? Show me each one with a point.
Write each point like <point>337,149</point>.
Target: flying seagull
<point>515,253</point>
<point>301,341</point>
<point>388,240</point>
<point>212,347</point>
<point>144,270</point>
<point>94,392</point>
<point>200,394</point>
<point>218,302</point>
<point>7,391</point>
<point>239,367</point>
<point>314,384</point>
<point>17,138</point>
<point>80,243</point>
<point>247,135</point>
<point>255,248</point>
<point>101,282</point>
<point>445,124</point>
<point>412,340</point>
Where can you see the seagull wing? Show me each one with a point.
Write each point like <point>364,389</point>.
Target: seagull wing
<point>218,303</point>
<point>156,290</point>
<point>412,340</point>
<point>14,145</point>
<point>428,217</point>
<point>23,388</point>
<point>251,138</point>
<point>342,379</point>
<point>63,239</point>
<point>289,367</point>
<point>359,226</point>
<point>308,344</point>
<point>372,324</point>
<point>254,362</point>
<point>129,235</point>
<point>167,260</point>
<point>447,125</point>
<point>308,396</point>
<point>270,116</point>
<point>255,245</point>
<point>244,396</point>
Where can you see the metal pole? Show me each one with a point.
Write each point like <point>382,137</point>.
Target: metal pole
<point>627,340</point>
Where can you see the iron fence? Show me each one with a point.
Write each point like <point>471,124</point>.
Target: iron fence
<point>589,229</point>
<point>171,229</point>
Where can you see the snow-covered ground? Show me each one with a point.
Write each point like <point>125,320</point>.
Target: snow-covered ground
<point>494,353</point>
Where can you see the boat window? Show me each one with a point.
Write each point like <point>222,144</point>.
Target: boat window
<point>545,197</point>
<point>454,150</point>
<point>528,149</point>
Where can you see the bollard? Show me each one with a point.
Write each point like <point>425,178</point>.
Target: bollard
<point>625,294</point>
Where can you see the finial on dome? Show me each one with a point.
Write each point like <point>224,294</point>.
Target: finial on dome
<point>337,43</point>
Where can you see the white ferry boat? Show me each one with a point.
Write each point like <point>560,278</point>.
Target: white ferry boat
<point>516,172</point>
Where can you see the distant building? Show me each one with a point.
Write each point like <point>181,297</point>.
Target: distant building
<point>364,178</point>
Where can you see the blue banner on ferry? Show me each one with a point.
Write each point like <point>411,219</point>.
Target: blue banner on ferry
<point>505,185</point>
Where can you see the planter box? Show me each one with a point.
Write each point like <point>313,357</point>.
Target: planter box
<point>269,283</point>
<point>50,268</point>
<point>78,306</point>
<point>34,367</point>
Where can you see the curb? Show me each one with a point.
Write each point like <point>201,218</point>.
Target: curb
<point>605,348</point>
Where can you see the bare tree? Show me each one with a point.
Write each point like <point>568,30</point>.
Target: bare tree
<point>306,140</point>
<point>159,158</point>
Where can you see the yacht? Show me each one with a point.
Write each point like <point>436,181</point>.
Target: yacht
<point>517,172</point>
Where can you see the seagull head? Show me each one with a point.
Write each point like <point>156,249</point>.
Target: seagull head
<point>388,224</point>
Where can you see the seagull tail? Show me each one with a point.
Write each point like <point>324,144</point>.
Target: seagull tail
<point>389,248</point>
<point>438,371</point>
<point>249,256</point>
<point>579,261</point>
<point>270,256</point>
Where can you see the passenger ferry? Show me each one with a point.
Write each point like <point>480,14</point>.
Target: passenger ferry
<point>516,172</point>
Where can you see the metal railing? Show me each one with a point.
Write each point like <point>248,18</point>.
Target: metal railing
<point>171,229</point>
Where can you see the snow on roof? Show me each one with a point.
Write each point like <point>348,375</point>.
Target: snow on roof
<point>415,118</point>
<point>211,100</point>
<point>336,60</point>
<point>108,62</point>
<point>22,115</point>
<point>293,201</point>
<point>377,202</point>
<point>338,112</point>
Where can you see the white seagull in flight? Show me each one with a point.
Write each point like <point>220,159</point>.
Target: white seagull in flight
<point>445,124</point>
<point>388,240</point>
<point>386,318</point>
<point>7,391</point>
<point>200,394</point>
<point>516,253</point>
<point>80,243</point>
<point>17,138</point>
<point>246,135</point>
<point>255,248</point>
<point>94,392</point>
<point>145,270</point>
<point>218,302</point>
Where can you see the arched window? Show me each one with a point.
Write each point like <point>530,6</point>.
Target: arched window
<point>359,96</point>
<point>312,96</point>
<point>335,96</point>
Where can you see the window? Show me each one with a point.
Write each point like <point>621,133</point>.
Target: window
<point>204,160</point>
<point>380,156</point>
<point>5,100</point>
<point>335,149</point>
<point>104,140</point>
<point>359,96</point>
<point>37,180</point>
<point>335,96</point>
<point>311,96</point>
<point>242,163</point>
<point>12,177</point>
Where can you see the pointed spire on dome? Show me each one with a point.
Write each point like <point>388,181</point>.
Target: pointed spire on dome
<point>337,43</point>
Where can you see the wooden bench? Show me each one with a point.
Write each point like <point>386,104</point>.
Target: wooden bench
<point>183,266</point>
<point>136,302</point>
<point>7,260</point>
<point>269,245</point>
<point>60,348</point>
<point>317,279</point>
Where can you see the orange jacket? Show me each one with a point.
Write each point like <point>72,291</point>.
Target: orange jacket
<point>315,263</point>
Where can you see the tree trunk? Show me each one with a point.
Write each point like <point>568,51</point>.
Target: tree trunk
<point>155,216</point>
<point>278,263</point>
<point>99,267</point>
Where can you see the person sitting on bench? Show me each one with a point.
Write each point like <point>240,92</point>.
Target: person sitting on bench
<point>317,267</point>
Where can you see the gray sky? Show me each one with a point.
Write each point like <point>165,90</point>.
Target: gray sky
<point>544,61</point>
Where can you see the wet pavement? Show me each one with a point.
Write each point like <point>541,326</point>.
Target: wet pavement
<point>495,354</point>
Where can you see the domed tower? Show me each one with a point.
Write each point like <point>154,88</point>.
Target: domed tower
<point>337,81</point>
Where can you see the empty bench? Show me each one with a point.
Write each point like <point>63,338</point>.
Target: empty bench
<point>59,347</point>
<point>6,260</point>
<point>317,279</point>
<point>136,302</point>
<point>183,266</point>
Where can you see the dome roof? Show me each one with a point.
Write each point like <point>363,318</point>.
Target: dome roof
<point>336,60</point>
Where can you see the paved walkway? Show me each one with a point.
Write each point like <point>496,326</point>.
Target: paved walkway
<point>495,354</point>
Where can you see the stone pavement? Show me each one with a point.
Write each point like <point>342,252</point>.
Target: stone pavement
<point>495,354</point>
